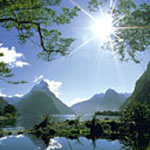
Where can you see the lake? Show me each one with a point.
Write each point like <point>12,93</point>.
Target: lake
<point>31,142</point>
<point>29,122</point>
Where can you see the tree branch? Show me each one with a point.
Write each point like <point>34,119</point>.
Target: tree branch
<point>29,22</point>
<point>41,38</point>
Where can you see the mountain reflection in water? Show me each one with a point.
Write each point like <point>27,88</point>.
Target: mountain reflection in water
<point>28,142</point>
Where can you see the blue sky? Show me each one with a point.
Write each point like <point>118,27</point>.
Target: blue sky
<point>85,72</point>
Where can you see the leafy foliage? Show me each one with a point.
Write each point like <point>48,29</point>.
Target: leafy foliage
<point>37,18</point>
<point>8,110</point>
<point>5,72</point>
<point>94,126</point>
<point>135,125</point>
<point>136,116</point>
<point>133,26</point>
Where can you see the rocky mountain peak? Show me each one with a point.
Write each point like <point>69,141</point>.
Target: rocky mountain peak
<point>41,86</point>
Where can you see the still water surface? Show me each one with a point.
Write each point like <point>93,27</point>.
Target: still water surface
<point>31,142</point>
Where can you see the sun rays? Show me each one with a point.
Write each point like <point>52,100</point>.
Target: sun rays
<point>104,27</point>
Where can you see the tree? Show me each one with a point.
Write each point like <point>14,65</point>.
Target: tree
<point>135,122</point>
<point>10,109</point>
<point>37,18</point>
<point>138,116</point>
<point>5,72</point>
<point>95,127</point>
<point>132,26</point>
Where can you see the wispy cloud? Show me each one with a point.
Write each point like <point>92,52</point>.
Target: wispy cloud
<point>54,86</point>
<point>11,57</point>
<point>4,95</point>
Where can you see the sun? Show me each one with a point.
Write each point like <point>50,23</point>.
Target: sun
<point>103,28</point>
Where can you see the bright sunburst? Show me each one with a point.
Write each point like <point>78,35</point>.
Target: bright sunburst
<point>103,28</point>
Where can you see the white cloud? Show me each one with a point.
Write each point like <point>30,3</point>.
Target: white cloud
<point>4,95</point>
<point>20,64</point>
<point>12,57</point>
<point>37,79</point>
<point>54,86</point>
<point>18,95</point>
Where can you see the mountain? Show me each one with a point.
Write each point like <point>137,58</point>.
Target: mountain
<point>41,101</point>
<point>12,100</point>
<point>111,100</point>
<point>142,89</point>
<point>3,103</point>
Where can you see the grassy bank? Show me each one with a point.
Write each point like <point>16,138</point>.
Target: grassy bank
<point>74,129</point>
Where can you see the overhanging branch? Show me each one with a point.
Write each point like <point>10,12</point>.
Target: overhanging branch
<point>32,23</point>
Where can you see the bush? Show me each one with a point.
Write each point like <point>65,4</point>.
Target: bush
<point>135,123</point>
<point>136,118</point>
<point>95,126</point>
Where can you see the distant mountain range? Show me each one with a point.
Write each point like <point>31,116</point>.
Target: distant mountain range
<point>111,100</point>
<point>41,101</point>
<point>142,89</point>
<point>12,100</point>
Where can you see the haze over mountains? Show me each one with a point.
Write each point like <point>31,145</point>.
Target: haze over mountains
<point>12,100</point>
<point>40,101</point>
<point>111,100</point>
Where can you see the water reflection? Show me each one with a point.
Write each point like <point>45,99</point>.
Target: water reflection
<point>54,144</point>
<point>19,142</point>
<point>40,144</point>
<point>28,142</point>
<point>31,142</point>
<point>83,144</point>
